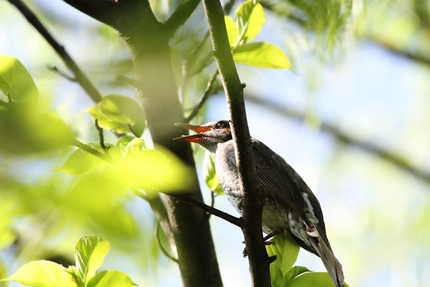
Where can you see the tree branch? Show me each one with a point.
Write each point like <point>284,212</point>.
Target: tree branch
<point>181,14</point>
<point>209,209</point>
<point>148,44</point>
<point>253,197</point>
<point>205,97</point>
<point>341,136</point>
<point>67,59</point>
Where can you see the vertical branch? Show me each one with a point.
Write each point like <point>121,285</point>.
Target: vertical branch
<point>67,59</point>
<point>253,201</point>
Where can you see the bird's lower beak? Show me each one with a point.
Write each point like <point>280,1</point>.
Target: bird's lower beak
<point>192,138</point>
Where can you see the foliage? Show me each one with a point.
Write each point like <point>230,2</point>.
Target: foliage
<point>248,22</point>
<point>90,252</point>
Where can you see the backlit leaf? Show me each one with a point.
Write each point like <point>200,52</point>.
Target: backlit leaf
<point>250,16</point>
<point>17,82</point>
<point>111,278</point>
<point>261,54</point>
<point>119,113</point>
<point>43,274</point>
<point>232,30</point>
<point>81,162</point>
<point>90,252</point>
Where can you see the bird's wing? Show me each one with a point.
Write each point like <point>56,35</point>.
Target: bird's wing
<point>281,181</point>
<point>278,178</point>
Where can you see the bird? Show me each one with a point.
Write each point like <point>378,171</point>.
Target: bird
<point>289,203</point>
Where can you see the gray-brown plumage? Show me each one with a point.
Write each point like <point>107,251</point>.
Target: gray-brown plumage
<point>290,204</point>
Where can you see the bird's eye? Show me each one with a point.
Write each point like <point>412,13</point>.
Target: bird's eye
<point>221,124</point>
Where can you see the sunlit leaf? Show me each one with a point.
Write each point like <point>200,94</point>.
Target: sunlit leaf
<point>286,251</point>
<point>232,30</point>
<point>90,252</point>
<point>81,162</point>
<point>111,278</point>
<point>49,131</point>
<point>250,16</point>
<point>119,113</point>
<point>155,170</point>
<point>321,279</point>
<point>123,142</point>
<point>135,146</point>
<point>210,176</point>
<point>261,54</point>
<point>16,81</point>
<point>43,274</point>
<point>24,132</point>
<point>294,272</point>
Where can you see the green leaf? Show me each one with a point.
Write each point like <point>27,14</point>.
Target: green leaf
<point>21,131</point>
<point>286,251</point>
<point>111,278</point>
<point>250,16</point>
<point>17,82</point>
<point>320,279</point>
<point>123,142</point>
<point>135,146</point>
<point>261,54</point>
<point>119,113</point>
<point>154,170</point>
<point>90,252</point>
<point>49,131</point>
<point>81,162</point>
<point>210,176</point>
<point>294,272</point>
<point>232,30</point>
<point>43,274</point>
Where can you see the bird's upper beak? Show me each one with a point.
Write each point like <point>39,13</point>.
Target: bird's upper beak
<point>200,130</point>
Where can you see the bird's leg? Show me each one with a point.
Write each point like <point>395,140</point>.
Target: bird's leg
<point>266,242</point>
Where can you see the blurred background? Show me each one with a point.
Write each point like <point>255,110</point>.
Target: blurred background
<point>352,118</point>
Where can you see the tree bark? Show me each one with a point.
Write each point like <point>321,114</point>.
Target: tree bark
<point>147,40</point>
<point>253,201</point>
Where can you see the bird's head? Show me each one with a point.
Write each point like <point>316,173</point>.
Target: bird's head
<point>208,135</point>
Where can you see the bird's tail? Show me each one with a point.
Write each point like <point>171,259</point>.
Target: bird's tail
<point>333,266</point>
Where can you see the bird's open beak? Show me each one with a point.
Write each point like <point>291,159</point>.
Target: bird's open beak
<point>192,138</point>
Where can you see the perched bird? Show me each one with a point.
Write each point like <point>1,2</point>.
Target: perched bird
<point>289,203</point>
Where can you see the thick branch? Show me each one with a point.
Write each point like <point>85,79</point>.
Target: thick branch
<point>70,63</point>
<point>148,43</point>
<point>253,200</point>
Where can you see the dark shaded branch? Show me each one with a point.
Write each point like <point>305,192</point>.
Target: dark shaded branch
<point>341,136</point>
<point>253,199</point>
<point>70,63</point>
<point>209,209</point>
<point>148,44</point>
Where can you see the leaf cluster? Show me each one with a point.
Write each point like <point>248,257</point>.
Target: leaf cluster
<point>90,252</point>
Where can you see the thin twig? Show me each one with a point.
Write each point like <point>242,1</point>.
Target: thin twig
<point>127,80</point>
<point>221,214</point>
<point>160,244</point>
<point>80,77</point>
<point>205,97</point>
<point>101,136</point>
<point>61,73</point>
